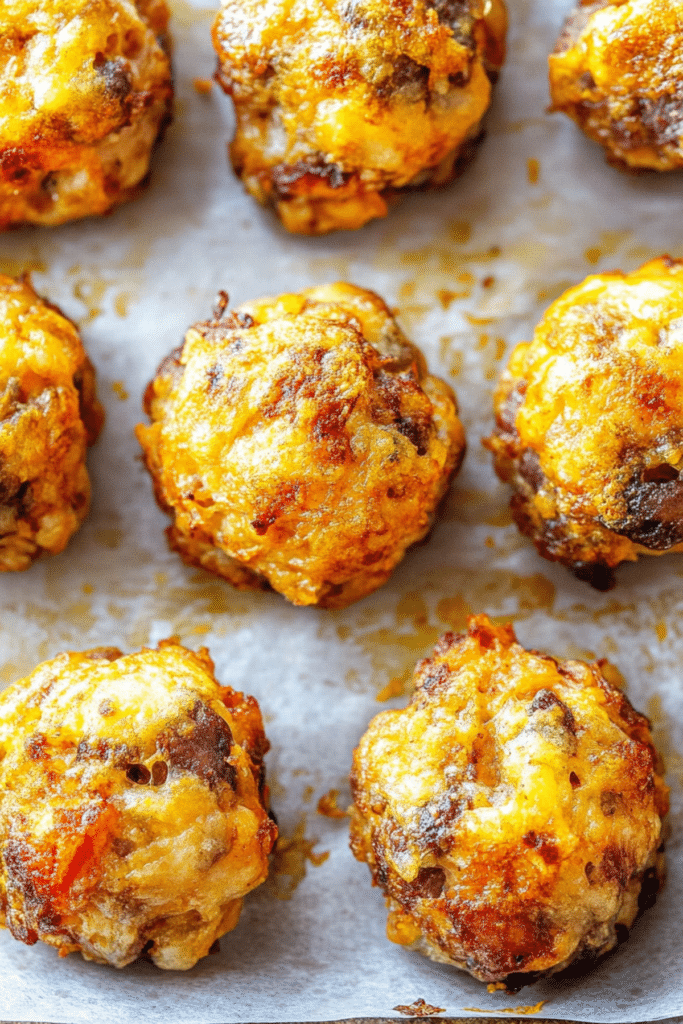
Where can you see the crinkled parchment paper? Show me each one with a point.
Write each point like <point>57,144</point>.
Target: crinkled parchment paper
<point>469,271</point>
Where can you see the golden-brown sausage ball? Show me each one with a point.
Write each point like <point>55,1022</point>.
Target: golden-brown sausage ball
<point>48,415</point>
<point>512,812</point>
<point>617,70</point>
<point>590,423</point>
<point>342,105</point>
<point>300,443</point>
<point>133,809</point>
<point>85,90</point>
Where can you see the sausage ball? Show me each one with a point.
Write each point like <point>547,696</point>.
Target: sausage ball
<point>589,423</point>
<point>617,70</point>
<point>48,415</point>
<point>512,812</point>
<point>133,810</point>
<point>85,90</point>
<point>300,444</point>
<point>345,104</point>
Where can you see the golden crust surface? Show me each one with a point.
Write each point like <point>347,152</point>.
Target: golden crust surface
<point>512,812</point>
<point>341,105</point>
<point>85,90</point>
<point>48,415</point>
<point>300,443</point>
<point>133,812</point>
<point>617,70</point>
<point>590,422</point>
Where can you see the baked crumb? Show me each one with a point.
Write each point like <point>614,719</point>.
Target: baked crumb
<point>512,812</point>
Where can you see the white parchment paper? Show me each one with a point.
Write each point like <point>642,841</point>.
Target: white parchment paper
<point>470,271</point>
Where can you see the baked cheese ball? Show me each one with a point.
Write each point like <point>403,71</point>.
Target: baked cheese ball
<point>133,808</point>
<point>617,70</point>
<point>342,106</point>
<point>589,423</point>
<point>300,444</point>
<point>85,91</point>
<point>49,413</point>
<point>512,812</point>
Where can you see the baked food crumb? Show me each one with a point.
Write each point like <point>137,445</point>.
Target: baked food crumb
<point>511,813</point>
<point>133,805</point>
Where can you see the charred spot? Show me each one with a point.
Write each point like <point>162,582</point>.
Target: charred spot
<point>16,163</point>
<point>290,180</point>
<point>48,184</point>
<point>654,504</point>
<point>406,74</point>
<point>31,886</point>
<point>35,747</point>
<point>544,844</point>
<point>336,70</point>
<point>138,774</point>
<point>662,474</point>
<point>436,820</point>
<point>104,654</point>
<point>498,945</point>
<point>397,394</point>
<point>159,773</point>
<point>661,118</point>
<point>201,747</point>
<point>116,76</point>
<point>457,14</point>
<point>14,492</point>
<point>111,184</point>
<point>617,865</point>
<point>122,847</point>
<point>507,414</point>
<point>529,468</point>
<point>118,754</point>
<point>609,802</point>
<point>546,699</point>
<point>429,883</point>
<point>484,633</point>
<point>483,760</point>
<point>650,887</point>
<point>438,677</point>
<point>574,780</point>
<point>600,576</point>
<point>329,429</point>
<point>416,430</point>
<point>589,871</point>
<point>276,507</point>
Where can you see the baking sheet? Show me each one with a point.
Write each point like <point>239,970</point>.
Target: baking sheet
<point>469,271</point>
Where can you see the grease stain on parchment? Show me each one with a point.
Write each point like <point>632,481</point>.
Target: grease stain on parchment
<point>186,14</point>
<point>289,863</point>
<point>328,805</point>
<point>671,755</point>
<point>392,650</point>
<point>15,267</point>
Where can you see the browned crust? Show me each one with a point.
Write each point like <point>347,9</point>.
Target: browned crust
<point>503,899</point>
<point>337,380</point>
<point>402,73</point>
<point>615,71</point>
<point>70,157</point>
<point>614,493</point>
